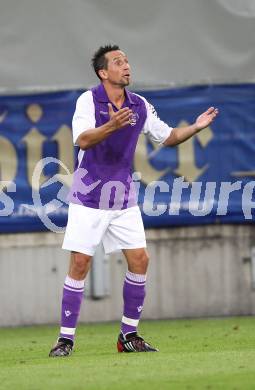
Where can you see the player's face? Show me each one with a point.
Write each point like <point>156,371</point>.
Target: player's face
<point>118,69</point>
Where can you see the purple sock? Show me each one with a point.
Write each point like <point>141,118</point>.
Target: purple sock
<point>71,303</point>
<point>133,296</point>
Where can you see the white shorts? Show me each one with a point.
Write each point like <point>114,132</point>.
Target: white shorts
<point>117,229</point>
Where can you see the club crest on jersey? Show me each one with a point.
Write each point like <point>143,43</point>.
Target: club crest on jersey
<point>134,118</point>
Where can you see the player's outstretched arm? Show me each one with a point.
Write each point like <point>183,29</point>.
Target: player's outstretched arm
<point>118,119</point>
<point>181,134</point>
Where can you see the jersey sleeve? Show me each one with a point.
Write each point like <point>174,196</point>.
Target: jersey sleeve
<point>154,127</point>
<point>84,115</point>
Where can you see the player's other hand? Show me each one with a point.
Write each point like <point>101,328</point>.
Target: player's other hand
<point>120,118</point>
<point>206,118</point>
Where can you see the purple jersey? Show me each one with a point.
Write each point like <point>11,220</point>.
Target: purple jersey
<point>103,177</point>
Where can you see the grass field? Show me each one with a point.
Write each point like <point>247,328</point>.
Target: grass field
<point>194,354</point>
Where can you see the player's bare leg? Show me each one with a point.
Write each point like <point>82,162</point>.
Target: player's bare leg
<point>71,303</point>
<point>137,259</point>
<point>79,265</point>
<point>133,296</point>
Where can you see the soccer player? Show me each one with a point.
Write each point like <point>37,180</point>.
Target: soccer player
<point>106,125</point>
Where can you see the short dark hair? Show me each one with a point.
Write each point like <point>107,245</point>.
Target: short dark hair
<point>99,61</point>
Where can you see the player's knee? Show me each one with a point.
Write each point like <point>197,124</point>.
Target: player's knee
<point>140,261</point>
<point>144,259</point>
<point>80,262</point>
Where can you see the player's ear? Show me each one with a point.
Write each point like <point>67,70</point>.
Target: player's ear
<point>103,74</point>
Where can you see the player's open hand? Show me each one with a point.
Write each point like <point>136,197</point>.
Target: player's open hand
<point>206,118</point>
<point>119,118</point>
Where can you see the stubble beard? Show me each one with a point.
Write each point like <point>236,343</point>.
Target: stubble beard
<point>121,84</point>
<point>124,83</point>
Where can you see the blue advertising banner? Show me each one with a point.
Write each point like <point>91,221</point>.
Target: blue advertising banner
<point>207,179</point>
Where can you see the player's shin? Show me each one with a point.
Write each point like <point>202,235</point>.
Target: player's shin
<point>133,297</point>
<point>71,302</point>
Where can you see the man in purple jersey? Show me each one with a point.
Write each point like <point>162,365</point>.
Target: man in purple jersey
<point>106,125</point>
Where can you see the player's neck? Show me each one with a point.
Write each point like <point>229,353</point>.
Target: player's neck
<point>116,94</point>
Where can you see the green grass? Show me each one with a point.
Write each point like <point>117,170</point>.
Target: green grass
<point>194,354</point>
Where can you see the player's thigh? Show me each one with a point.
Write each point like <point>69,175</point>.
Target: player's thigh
<point>85,229</point>
<point>126,231</point>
